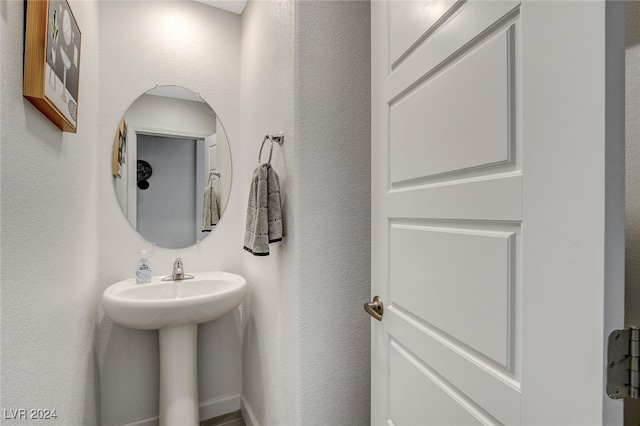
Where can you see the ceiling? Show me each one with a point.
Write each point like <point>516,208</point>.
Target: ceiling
<point>235,6</point>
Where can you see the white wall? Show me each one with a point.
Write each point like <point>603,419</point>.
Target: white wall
<point>161,114</point>
<point>196,46</point>
<point>333,204</point>
<point>305,70</point>
<point>270,353</point>
<point>49,236</point>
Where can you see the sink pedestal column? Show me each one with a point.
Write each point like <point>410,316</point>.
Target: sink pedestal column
<point>178,375</point>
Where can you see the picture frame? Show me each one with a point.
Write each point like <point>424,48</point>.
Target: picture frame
<point>52,48</point>
<point>119,151</point>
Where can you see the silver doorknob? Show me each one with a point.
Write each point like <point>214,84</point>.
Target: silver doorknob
<point>375,308</point>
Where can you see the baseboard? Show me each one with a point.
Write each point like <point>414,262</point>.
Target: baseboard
<point>247,413</point>
<point>149,421</point>
<point>220,406</point>
<point>208,409</point>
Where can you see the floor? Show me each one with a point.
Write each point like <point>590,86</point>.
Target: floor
<point>229,419</point>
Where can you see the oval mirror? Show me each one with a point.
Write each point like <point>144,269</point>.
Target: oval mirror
<point>171,167</point>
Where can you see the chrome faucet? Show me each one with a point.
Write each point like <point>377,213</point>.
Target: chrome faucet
<point>178,272</point>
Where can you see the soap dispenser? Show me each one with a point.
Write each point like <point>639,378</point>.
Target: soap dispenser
<point>143,271</point>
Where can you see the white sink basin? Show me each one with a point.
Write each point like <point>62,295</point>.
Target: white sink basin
<point>175,308</point>
<point>161,304</point>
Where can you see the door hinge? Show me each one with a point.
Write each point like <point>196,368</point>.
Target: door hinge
<point>623,364</point>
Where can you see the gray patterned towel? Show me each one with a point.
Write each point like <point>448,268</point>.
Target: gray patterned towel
<point>264,212</point>
<point>210,212</point>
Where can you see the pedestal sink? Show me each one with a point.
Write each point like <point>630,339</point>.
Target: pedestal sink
<point>175,308</point>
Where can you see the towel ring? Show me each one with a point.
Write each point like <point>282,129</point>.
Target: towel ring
<point>279,139</point>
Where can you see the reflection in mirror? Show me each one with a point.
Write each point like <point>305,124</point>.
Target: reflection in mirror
<point>171,167</point>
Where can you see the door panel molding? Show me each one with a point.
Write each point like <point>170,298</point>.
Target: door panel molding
<point>435,400</point>
<point>432,267</point>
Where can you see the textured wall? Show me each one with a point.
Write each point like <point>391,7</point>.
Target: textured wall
<point>49,237</point>
<point>632,215</point>
<point>196,46</point>
<point>305,70</point>
<point>270,328</point>
<point>333,204</point>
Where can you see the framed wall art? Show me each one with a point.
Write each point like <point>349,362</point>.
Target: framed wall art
<point>119,151</point>
<point>52,61</point>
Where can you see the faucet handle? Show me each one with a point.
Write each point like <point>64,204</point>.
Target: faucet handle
<point>178,271</point>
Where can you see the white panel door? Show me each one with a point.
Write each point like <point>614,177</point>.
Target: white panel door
<point>497,210</point>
